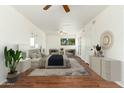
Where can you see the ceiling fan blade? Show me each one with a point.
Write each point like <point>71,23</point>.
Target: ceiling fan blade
<point>66,8</point>
<point>47,7</point>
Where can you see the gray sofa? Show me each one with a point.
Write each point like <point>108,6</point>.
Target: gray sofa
<point>37,58</point>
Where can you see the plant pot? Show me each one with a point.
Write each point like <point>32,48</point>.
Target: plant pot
<point>12,78</point>
<point>98,48</point>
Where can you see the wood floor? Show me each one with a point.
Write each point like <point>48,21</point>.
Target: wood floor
<point>87,81</point>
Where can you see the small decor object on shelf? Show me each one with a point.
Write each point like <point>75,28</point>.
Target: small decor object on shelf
<point>99,51</point>
<point>93,52</point>
<point>61,51</point>
<point>98,47</point>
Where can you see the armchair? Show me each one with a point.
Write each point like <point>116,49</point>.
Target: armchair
<point>36,58</point>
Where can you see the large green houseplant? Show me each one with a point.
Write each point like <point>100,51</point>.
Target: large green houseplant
<point>12,58</point>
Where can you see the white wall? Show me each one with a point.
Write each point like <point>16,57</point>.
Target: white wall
<point>15,29</point>
<point>123,50</point>
<point>53,42</point>
<point>108,20</point>
<point>111,19</point>
<point>83,48</point>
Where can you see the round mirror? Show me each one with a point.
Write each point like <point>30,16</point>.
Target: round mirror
<point>106,40</point>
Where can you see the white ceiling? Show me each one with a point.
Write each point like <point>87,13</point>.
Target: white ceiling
<point>56,19</point>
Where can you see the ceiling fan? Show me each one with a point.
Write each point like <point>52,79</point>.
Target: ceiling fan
<point>66,8</point>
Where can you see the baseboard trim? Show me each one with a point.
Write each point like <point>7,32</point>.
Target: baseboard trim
<point>83,59</point>
<point>121,83</point>
<point>2,82</point>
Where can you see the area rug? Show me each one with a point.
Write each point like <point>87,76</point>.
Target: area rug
<point>75,70</point>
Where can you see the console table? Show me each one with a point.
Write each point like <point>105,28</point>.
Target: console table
<point>107,68</point>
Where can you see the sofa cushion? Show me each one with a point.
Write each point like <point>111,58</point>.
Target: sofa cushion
<point>35,55</point>
<point>36,60</point>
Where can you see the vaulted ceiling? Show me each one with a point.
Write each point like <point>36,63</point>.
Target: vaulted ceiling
<point>55,18</point>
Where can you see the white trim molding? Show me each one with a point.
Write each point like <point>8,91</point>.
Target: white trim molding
<point>121,83</point>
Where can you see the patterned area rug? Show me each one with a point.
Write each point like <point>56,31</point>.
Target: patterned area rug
<point>75,70</point>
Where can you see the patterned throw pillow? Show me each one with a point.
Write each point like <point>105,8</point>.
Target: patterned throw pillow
<point>35,55</point>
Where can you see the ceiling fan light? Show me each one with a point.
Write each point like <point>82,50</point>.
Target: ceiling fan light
<point>47,7</point>
<point>66,8</point>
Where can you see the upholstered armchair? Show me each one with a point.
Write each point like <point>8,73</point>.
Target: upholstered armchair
<point>37,60</point>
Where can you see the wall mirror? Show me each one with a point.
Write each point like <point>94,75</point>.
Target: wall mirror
<point>106,39</point>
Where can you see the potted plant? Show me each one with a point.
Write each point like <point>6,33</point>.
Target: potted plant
<point>12,58</point>
<point>99,50</point>
<point>98,47</point>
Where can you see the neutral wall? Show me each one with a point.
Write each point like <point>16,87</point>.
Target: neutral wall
<point>111,19</point>
<point>53,42</point>
<point>15,29</point>
<point>83,47</point>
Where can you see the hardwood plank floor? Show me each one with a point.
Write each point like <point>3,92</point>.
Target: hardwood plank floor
<point>92,80</point>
